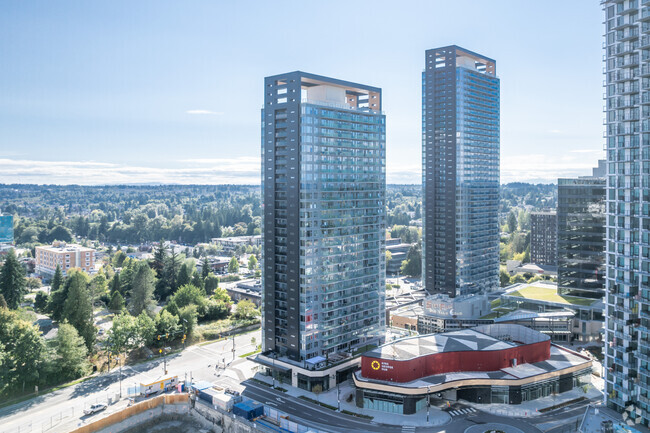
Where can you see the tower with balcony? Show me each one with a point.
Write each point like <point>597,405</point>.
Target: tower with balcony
<point>627,108</point>
<point>460,172</point>
<point>323,185</point>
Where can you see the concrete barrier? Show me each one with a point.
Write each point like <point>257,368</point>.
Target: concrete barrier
<point>138,413</point>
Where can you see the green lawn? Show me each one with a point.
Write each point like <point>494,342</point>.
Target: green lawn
<point>550,294</point>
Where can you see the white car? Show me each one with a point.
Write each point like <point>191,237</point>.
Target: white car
<point>98,407</point>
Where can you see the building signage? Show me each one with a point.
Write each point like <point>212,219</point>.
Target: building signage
<point>381,365</point>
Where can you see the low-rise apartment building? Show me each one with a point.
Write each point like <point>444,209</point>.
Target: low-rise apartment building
<point>66,256</point>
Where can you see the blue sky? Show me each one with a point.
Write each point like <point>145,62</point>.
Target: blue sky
<point>169,91</point>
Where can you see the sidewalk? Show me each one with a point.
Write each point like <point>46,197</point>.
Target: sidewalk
<point>437,417</point>
<point>531,408</point>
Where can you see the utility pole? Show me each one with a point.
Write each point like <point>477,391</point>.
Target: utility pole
<point>233,347</point>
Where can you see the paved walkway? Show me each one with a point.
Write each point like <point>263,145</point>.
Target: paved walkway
<point>531,408</point>
<point>437,417</point>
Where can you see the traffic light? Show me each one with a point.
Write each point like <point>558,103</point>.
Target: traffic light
<point>159,350</point>
<point>167,336</point>
<point>184,336</point>
<point>159,338</point>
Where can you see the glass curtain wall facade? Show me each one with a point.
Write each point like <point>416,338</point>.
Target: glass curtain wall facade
<point>627,99</point>
<point>460,160</point>
<point>581,236</point>
<point>324,183</point>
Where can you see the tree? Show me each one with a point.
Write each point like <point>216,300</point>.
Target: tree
<point>188,295</point>
<point>123,335</point>
<point>143,289</point>
<point>211,282</point>
<point>115,284</point>
<point>40,302</point>
<point>233,266</point>
<point>117,302</point>
<point>78,309</point>
<point>146,329</point>
<point>166,323</point>
<point>97,286</point>
<point>33,283</point>
<point>512,222</point>
<point>504,278</point>
<point>159,257</point>
<point>412,266</point>
<point>252,262</point>
<point>71,353</point>
<point>57,300</point>
<point>221,294</point>
<point>517,279</point>
<point>167,284</point>
<point>389,256</point>
<point>13,285</point>
<point>3,303</point>
<point>118,259</point>
<point>245,309</point>
<point>197,280</point>
<point>187,319</point>
<point>57,280</point>
<point>22,352</point>
<point>184,276</point>
<point>205,268</point>
<point>213,310</point>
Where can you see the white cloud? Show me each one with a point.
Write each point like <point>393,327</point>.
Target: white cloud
<point>223,171</point>
<point>537,168</point>
<point>586,151</point>
<point>213,113</point>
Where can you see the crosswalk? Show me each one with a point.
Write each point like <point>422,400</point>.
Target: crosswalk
<point>458,412</point>
<point>408,429</point>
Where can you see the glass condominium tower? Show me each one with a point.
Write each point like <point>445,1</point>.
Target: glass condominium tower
<point>324,215</point>
<point>627,107</point>
<point>460,172</point>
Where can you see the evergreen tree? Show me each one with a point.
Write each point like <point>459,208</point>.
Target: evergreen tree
<point>205,268</point>
<point>184,276</point>
<point>211,283</point>
<point>13,284</point>
<point>159,257</point>
<point>412,266</point>
<point>57,300</point>
<point>115,284</point>
<point>143,289</point>
<point>117,302</point>
<point>3,303</point>
<point>78,309</point>
<point>512,222</point>
<point>197,280</point>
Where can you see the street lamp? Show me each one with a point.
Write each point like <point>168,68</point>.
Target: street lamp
<point>118,360</point>
<point>428,403</point>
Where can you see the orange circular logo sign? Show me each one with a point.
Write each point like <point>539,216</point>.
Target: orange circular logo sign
<point>375,365</point>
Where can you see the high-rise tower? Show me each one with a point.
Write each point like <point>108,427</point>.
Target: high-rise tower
<point>460,176</point>
<point>627,237</point>
<point>323,184</point>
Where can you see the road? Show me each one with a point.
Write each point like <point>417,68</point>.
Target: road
<point>62,410</point>
<point>328,420</point>
<point>67,404</point>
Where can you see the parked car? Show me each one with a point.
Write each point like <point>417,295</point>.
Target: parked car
<point>98,407</point>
